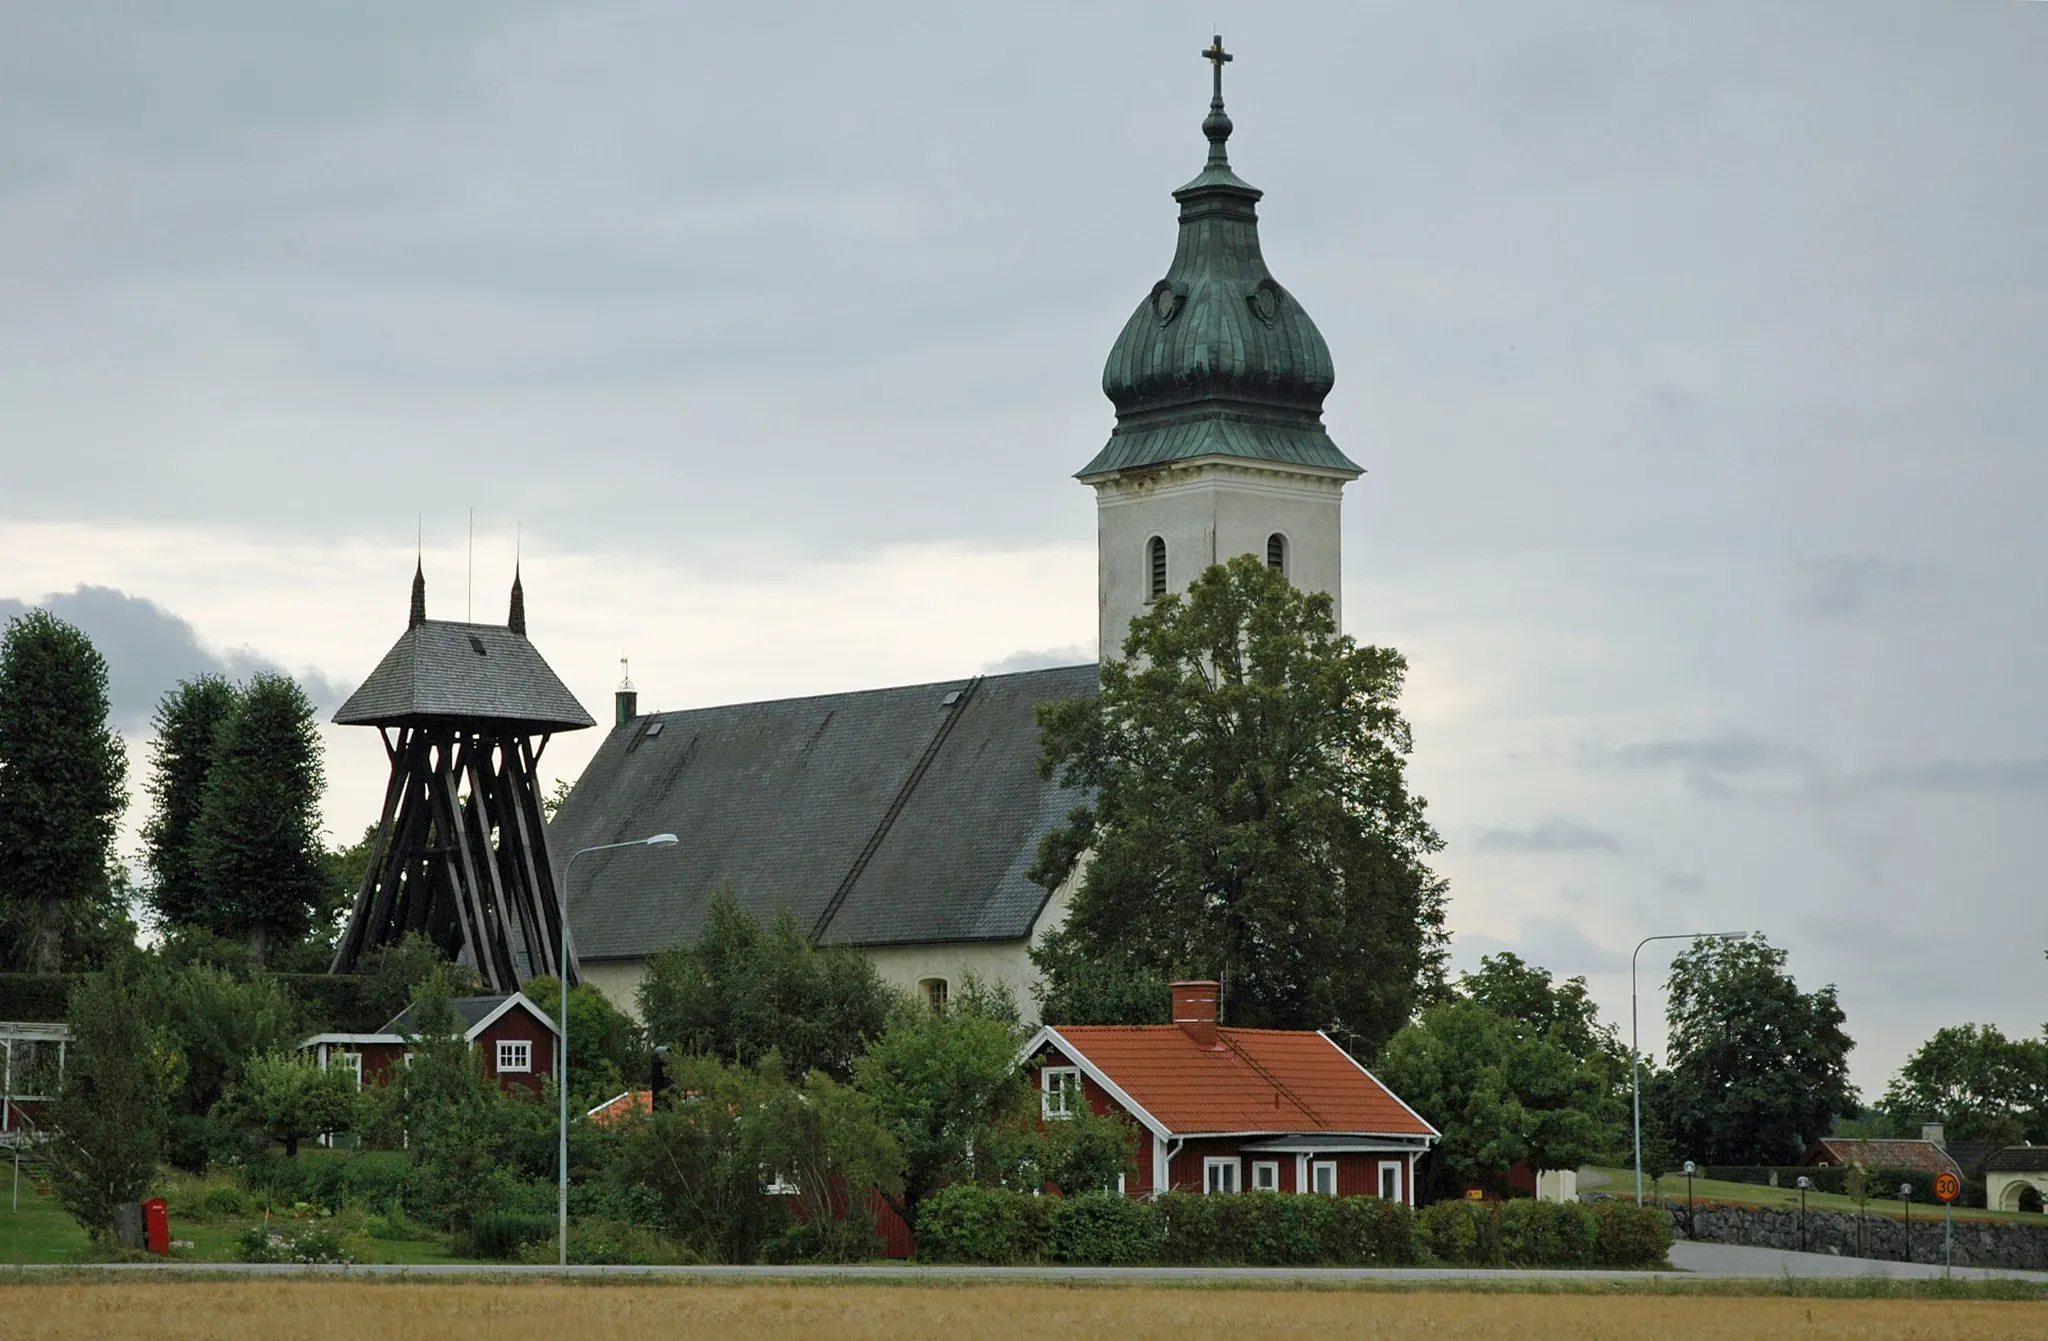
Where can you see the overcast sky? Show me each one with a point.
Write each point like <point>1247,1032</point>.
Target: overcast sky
<point>1694,355</point>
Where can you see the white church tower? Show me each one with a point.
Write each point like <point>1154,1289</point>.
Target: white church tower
<point>1218,380</point>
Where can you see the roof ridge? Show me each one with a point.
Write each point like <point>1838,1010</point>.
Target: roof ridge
<point>954,711</point>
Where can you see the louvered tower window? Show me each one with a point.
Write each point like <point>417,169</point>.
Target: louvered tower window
<point>1276,552</point>
<point>1155,554</point>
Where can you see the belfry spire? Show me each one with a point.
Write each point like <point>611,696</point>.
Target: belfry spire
<point>419,595</point>
<point>516,621</point>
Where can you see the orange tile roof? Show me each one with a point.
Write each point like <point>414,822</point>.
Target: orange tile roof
<point>620,1106</point>
<point>1255,1080</point>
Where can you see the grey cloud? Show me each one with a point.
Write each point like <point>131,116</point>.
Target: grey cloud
<point>148,650</point>
<point>1956,777</point>
<point>1554,943</point>
<point>1040,660</point>
<point>1676,883</point>
<point>1552,835</point>
<point>1845,585</point>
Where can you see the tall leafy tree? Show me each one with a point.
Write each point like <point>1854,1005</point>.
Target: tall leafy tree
<point>745,989</point>
<point>942,1084</point>
<point>257,841</point>
<point>1250,820</point>
<point>1979,1084</point>
<point>109,1120</point>
<point>1756,1068</point>
<point>187,724</point>
<point>61,775</point>
<point>1516,1068</point>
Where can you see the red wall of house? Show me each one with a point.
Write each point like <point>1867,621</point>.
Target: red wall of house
<point>513,1025</point>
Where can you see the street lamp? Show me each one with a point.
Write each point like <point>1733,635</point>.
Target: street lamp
<point>1906,1208</point>
<point>1690,1169</point>
<point>562,1039</point>
<point>1635,1055</point>
<point>1805,1186</point>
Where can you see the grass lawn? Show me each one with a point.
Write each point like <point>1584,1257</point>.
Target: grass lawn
<point>42,1232</point>
<point>72,1310</point>
<point>1622,1182</point>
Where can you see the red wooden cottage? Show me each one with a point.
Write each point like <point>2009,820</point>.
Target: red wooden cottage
<point>517,1039</point>
<point>1235,1110</point>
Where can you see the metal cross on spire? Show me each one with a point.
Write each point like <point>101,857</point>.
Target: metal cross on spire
<point>1218,57</point>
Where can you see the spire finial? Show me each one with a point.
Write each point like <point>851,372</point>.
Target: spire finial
<point>419,594</point>
<point>516,621</point>
<point>1217,124</point>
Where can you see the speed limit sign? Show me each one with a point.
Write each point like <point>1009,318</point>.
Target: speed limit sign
<point>1947,1187</point>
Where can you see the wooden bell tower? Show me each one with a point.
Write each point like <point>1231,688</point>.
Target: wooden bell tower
<point>461,853</point>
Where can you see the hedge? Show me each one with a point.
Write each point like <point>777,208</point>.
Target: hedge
<point>333,1002</point>
<point>995,1226</point>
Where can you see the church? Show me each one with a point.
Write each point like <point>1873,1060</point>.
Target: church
<point>902,821</point>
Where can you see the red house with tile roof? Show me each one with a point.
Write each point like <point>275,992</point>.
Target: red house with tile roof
<point>1235,1110</point>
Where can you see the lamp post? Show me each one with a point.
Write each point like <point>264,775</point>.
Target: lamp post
<point>1805,1185</point>
<point>562,1038</point>
<point>1635,1055</point>
<point>1906,1208</point>
<point>1690,1169</point>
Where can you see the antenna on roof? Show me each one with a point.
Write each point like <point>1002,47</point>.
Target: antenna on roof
<point>469,604</point>
<point>625,675</point>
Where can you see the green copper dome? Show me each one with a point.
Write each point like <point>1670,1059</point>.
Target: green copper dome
<point>1218,360</point>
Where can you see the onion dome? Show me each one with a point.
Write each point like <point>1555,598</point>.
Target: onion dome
<point>1218,360</point>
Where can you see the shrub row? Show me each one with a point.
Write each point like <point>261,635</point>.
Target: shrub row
<point>966,1223</point>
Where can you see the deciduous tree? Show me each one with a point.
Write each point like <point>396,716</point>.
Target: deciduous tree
<point>61,774</point>
<point>288,1097</point>
<point>744,990</point>
<point>110,1118</point>
<point>257,842</point>
<point>187,724</point>
<point>1756,1068</point>
<point>1979,1084</point>
<point>1250,820</point>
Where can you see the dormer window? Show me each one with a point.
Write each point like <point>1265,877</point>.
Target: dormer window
<point>1276,553</point>
<point>1155,555</point>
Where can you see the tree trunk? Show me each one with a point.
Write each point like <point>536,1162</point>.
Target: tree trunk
<point>48,954</point>
<point>259,943</point>
<point>291,1147</point>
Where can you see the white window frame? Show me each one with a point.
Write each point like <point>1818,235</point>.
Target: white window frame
<point>1062,1083</point>
<point>352,1062</point>
<point>1265,1175</point>
<point>1228,1165</point>
<point>524,1055</point>
<point>1315,1177</point>
<point>1392,1166</point>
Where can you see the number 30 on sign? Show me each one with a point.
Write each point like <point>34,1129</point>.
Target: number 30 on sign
<point>1947,1187</point>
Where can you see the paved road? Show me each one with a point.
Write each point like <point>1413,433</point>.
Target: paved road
<point>1693,1260</point>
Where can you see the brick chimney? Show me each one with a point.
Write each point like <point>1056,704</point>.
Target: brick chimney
<point>1194,1010</point>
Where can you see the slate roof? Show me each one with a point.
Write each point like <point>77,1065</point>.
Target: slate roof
<point>1883,1154</point>
<point>472,1010</point>
<point>443,671</point>
<point>1257,1080</point>
<point>886,816</point>
<point>2018,1159</point>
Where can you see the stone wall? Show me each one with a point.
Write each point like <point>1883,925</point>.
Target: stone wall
<point>2014,1245</point>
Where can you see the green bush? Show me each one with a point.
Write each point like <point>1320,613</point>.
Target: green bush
<point>982,1225</point>
<point>36,996</point>
<point>1372,1232</point>
<point>1627,1235</point>
<point>1103,1229</point>
<point>608,1243</point>
<point>393,1228</point>
<point>1462,1233</point>
<point>375,1179</point>
<point>1547,1234</point>
<point>223,1200</point>
<point>501,1234</point>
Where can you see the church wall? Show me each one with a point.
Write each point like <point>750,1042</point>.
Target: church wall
<point>1209,512</point>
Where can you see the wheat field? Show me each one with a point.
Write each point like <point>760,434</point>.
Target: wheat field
<point>299,1310</point>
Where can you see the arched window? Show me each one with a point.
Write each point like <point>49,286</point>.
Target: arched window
<point>934,993</point>
<point>1155,553</point>
<point>1276,552</point>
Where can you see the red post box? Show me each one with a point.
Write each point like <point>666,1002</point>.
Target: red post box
<point>156,1219</point>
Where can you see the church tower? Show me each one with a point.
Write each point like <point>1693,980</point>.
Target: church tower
<point>1218,381</point>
